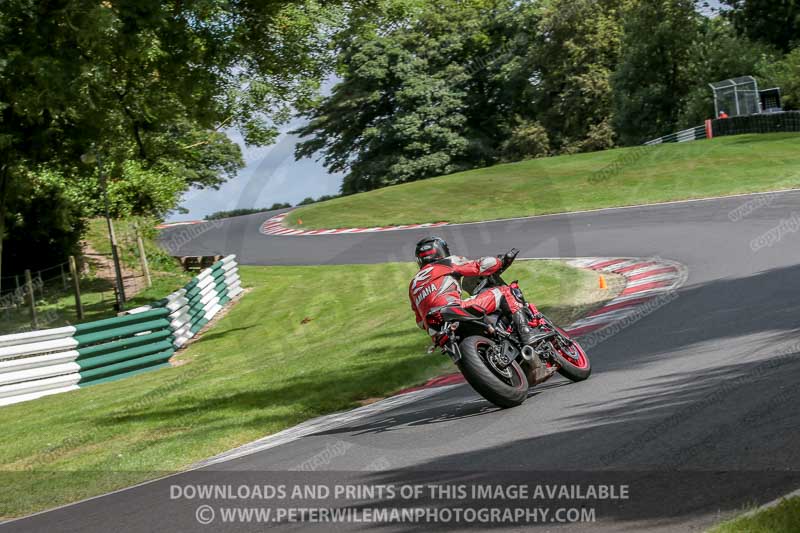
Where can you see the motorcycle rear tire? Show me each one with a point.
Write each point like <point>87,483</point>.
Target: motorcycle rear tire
<point>485,381</point>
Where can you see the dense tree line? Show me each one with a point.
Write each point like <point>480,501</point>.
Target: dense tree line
<point>217,215</point>
<point>433,88</point>
<point>147,87</point>
<point>277,205</point>
<point>245,211</point>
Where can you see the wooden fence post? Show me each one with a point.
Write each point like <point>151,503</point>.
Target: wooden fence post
<point>31,298</point>
<point>63,276</point>
<point>143,259</point>
<point>76,284</point>
<point>41,284</point>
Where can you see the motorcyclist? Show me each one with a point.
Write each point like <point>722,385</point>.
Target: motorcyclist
<point>437,284</point>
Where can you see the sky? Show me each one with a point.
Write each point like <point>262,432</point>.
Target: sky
<point>712,5</point>
<point>272,175</point>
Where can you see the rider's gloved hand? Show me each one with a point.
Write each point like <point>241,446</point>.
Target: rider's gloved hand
<point>509,257</point>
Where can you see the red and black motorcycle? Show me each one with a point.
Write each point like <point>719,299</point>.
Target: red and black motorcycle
<point>488,352</point>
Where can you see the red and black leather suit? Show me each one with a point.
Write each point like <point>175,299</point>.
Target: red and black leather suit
<point>438,284</point>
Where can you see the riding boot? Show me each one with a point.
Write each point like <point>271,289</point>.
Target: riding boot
<point>524,332</point>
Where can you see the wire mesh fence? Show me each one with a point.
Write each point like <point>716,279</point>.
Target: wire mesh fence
<point>53,303</point>
<point>17,298</point>
<point>736,96</point>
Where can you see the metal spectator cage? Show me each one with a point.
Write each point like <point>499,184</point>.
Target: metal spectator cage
<point>771,100</point>
<point>736,96</point>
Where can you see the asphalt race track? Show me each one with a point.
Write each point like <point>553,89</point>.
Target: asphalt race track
<point>695,405</point>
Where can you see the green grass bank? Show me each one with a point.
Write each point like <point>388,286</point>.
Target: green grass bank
<point>620,177</point>
<point>291,349</point>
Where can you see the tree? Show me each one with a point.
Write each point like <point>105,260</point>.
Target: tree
<point>457,85</point>
<point>243,211</point>
<point>768,21</point>
<point>152,82</point>
<point>719,53</point>
<point>652,77</point>
<point>785,74</point>
<point>326,197</point>
<point>527,141</point>
<point>400,112</point>
<point>138,191</point>
<point>45,221</point>
<point>565,69</point>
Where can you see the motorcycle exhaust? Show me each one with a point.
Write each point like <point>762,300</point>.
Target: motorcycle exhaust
<point>527,353</point>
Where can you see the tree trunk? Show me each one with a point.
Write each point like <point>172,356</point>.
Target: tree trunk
<point>3,192</point>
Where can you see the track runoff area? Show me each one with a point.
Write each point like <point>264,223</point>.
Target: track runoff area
<point>676,429</point>
<point>669,396</point>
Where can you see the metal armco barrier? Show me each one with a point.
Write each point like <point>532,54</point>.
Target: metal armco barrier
<point>51,361</point>
<point>692,134</point>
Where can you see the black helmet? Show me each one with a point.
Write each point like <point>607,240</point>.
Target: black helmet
<point>431,249</point>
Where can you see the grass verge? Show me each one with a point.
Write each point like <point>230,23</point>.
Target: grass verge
<point>637,175</point>
<point>293,348</point>
<point>783,518</point>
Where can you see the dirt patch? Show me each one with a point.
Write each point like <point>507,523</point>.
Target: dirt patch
<point>101,266</point>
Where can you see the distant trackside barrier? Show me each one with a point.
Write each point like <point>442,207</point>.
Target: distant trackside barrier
<point>788,121</point>
<point>692,134</point>
<point>50,361</point>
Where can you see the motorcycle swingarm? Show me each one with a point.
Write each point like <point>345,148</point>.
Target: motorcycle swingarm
<point>454,352</point>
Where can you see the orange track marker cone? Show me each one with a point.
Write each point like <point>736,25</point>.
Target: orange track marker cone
<point>603,284</point>
<point>300,221</point>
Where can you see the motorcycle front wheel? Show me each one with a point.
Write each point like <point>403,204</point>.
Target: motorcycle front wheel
<point>503,387</point>
<point>572,360</point>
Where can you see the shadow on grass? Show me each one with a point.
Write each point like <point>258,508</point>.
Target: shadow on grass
<point>307,394</point>
<point>212,335</point>
<point>95,284</point>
